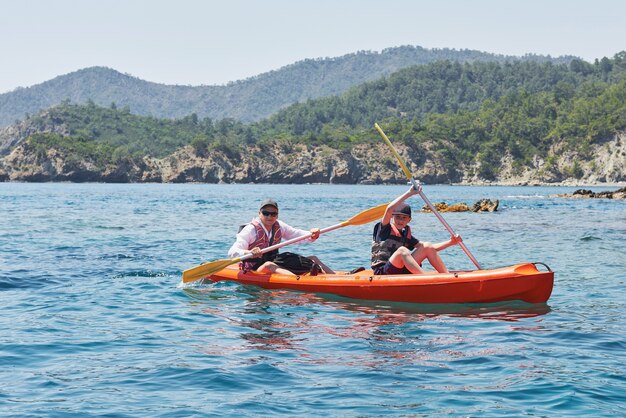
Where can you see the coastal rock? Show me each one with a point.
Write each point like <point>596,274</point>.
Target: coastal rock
<point>27,164</point>
<point>277,164</point>
<point>458,207</point>
<point>603,162</point>
<point>483,205</point>
<point>13,135</point>
<point>486,205</point>
<point>588,194</point>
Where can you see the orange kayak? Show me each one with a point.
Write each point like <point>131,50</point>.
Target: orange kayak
<point>518,282</point>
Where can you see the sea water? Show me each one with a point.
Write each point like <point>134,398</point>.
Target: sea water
<point>94,321</point>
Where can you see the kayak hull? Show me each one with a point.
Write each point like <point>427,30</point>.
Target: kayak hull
<point>518,282</point>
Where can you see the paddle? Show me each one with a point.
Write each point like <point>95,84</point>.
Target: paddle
<point>204,270</point>
<point>422,195</point>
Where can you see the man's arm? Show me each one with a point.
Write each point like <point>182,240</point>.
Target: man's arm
<point>244,239</point>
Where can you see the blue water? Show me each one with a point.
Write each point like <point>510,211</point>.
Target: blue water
<point>94,321</point>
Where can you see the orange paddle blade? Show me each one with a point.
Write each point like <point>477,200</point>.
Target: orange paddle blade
<point>206,269</point>
<point>367,216</point>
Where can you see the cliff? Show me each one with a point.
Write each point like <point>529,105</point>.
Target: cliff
<point>298,164</point>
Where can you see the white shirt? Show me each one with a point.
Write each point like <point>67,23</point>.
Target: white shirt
<point>247,236</point>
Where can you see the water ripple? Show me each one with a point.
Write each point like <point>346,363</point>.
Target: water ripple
<point>95,321</point>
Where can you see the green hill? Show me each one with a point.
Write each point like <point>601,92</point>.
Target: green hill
<point>246,100</point>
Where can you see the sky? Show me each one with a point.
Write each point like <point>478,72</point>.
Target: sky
<point>207,42</point>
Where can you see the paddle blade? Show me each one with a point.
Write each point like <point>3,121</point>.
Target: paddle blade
<point>206,269</point>
<point>367,216</point>
<point>394,152</point>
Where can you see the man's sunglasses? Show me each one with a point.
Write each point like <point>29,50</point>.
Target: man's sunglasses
<point>266,213</point>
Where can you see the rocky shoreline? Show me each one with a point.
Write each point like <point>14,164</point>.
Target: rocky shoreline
<point>301,164</point>
<point>588,194</point>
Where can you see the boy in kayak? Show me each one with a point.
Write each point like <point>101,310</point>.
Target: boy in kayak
<point>266,230</point>
<point>395,250</point>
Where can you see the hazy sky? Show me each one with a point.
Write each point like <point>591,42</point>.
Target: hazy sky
<point>212,42</point>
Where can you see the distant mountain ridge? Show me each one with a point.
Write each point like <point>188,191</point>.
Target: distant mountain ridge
<point>247,100</point>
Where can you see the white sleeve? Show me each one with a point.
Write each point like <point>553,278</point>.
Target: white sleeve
<point>289,232</point>
<point>245,238</point>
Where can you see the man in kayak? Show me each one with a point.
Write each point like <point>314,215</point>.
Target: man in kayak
<point>395,250</point>
<point>266,230</point>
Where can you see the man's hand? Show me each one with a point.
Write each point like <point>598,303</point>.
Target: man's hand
<point>315,233</point>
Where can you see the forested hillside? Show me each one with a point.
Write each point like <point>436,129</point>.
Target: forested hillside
<point>247,100</point>
<point>438,88</point>
<point>470,122</point>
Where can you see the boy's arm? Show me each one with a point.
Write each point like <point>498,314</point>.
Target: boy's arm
<point>393,204</point>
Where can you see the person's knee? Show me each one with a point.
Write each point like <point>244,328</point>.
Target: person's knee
<point>268,267</point>
<point>402,252</point>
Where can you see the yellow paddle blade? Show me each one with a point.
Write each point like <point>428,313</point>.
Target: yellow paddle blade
<point>206,269</point>
<point>395,153</point>
<point>367,216</point>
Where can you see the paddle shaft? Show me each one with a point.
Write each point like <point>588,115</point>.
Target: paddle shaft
<point>207,269</point>
<point>423,196</point>
<point>445,224</point>
<point>292,241</point>
<point>362,218</point>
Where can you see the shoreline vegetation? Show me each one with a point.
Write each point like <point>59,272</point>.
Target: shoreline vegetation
<point>581,185</point>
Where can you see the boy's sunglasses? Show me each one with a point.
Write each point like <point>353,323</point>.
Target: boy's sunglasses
<point>272,214</point>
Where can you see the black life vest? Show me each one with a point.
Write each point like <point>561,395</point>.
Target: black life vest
<point>383,250</point>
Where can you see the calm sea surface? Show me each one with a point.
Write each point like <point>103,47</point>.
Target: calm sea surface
<point>94,322</point>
